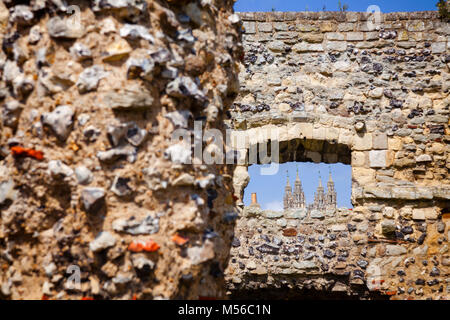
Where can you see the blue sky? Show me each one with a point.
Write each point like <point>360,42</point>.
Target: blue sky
<point>317,5</point>
<point>270,188</point>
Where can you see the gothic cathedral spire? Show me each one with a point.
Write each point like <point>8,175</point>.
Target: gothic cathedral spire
<point>331,193</point>
<point>319,196</point>
<point>287,200</point>
<point>299,196</point>
<point>295,198</point>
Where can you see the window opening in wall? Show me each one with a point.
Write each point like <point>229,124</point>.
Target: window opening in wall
<point>313,186</point>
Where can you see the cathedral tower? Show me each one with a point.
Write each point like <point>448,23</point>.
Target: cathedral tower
<point>299,196</point>
<point>295,198</point>
<point>331,193</point>
<point>287,200</point>
<point>319,196</point>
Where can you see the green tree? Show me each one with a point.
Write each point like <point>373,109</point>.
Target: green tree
<point>444,10</point>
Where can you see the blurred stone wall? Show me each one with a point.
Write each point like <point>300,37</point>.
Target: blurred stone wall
<point>362,89</point>
<point>94,202</point>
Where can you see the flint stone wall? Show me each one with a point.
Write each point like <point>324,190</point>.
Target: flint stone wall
<point>377,97</point>
<point>108,202</point>
<point>298,249</point>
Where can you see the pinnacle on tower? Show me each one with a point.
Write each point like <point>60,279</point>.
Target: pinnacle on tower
<point>287,200</point>
<point>298,194</point>
<point>331,195</point>
<point>320,180</point>
<point>319,196</point>
<point>297,178</point>
<point>287,179</point>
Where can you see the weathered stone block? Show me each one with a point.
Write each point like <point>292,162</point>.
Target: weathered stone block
<point>265,27</point>
<point>374,192</point>
<point>335,36</point>
<point>395,143</point>
<point>336,45</point>
<point>316,214</point>
<point>280,26</point>
<point>332,134</point>
<point>425,213</point>
<point>438,47</point>
<point>339,228</point>
<point>252,211</point>
<point>272,214</point>
<point>327,26</point>
<point>345,27</point>
<point>352,16</point>
<point>405,193</point>
<point>282,222</point>
<point>355,36</point>
<point>415,26</point>
<point>277,46</point>
<point>363,176</point>
<point>296,214</point>
<point>380,141</point>
<point>304,265</point>
<point>319,133</point>
<point>346,137</point>
<point>388,227</point>
<point>286,35</point>
<point>420,251</point>
<point>406,213</point>
<point>307,27</point>
<point>249,27</point>
<point>389,212</point>
<point>306,129</point>
<point>376,93</point>
<point>312,37</point>
<point>424,193</point>
<point>358,159</point>
<point>406,44</point>
<point>260,270</point>
<point>306,47</point>
<point>366,45</point>
<point>363,142</point>
<point>372,36</point>
<point>251,265</point>
<point>395,250</point>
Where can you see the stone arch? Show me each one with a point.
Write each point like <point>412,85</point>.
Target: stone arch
<point>294,141</point>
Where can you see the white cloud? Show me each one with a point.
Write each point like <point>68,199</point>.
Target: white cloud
<point>274,205</point>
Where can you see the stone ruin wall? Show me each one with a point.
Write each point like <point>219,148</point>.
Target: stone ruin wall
<point>101,98</point>
<point>297,250</point>
<point>339,89</point>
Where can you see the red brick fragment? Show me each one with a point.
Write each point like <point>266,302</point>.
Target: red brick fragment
<point>139,246</point>
<point>289,232</point>
<point>18,151</point>
<point>391,293</point>
<point>179,240</point>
